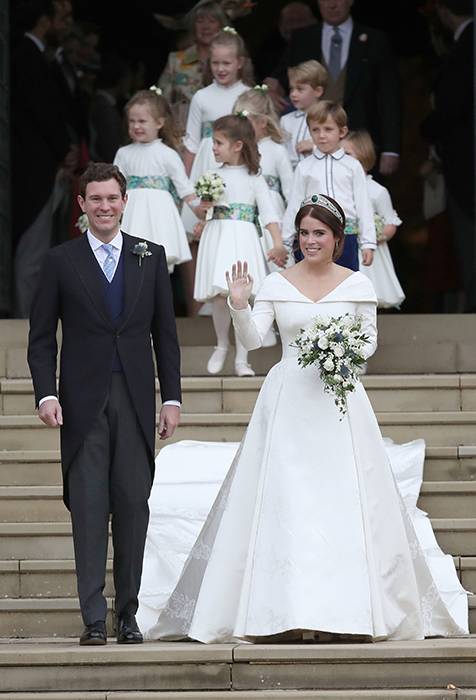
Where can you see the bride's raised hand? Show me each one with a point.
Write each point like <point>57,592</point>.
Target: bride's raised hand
<point>240,284</point>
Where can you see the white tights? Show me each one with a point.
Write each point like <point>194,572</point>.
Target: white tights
<point>221,322</point>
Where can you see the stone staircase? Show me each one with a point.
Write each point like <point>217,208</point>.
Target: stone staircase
<point>37,580</point>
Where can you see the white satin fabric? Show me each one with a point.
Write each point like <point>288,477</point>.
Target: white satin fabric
<point>308,530</point>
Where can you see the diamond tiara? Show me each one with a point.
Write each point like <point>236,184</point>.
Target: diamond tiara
<point>322,201</point>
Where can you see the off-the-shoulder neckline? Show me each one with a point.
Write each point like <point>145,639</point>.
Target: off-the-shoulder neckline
<point>325,295</point>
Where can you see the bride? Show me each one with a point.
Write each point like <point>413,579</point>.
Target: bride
<point>308,535</point>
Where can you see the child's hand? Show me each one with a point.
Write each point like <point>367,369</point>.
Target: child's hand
<point>388,232</point>
<point>201,209</point>
<point>278,255</point>
<point>367,256</point>
<point>198,230</point>
<point>305,146</point>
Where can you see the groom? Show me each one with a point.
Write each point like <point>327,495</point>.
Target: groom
<point>112,294</point>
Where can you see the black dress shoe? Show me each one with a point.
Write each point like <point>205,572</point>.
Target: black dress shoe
<point>128,631</point>
<point>94,635</point>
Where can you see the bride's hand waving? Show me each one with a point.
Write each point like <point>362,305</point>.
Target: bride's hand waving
<point>240,285</point>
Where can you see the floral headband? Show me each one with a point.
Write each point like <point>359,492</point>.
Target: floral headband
<point>230,30</point>
<point>322,201</point>
<point>243,113</point>
<point>261,88</point>
<point>155,89</point>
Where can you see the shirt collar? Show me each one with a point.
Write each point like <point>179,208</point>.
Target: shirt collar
<point>461,28</point>
<point>345,27</point>
<point>337,155</point>
<point>299,113</point>
<point>95,243</point>
<point>41,46</point>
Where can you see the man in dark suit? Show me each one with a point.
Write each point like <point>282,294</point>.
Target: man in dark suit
<point>363,75</point>
<point>112,294</point>
<point>450,128</point>
<point>40,145</point>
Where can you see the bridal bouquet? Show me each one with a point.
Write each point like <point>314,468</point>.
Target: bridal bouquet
<point>210,187</point>
<point>335,347</point>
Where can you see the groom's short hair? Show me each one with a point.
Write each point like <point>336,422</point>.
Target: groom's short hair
<point>100,172</point>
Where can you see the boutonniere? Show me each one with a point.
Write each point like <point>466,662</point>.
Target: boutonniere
<point>141,250</point>
<point>363,37</point>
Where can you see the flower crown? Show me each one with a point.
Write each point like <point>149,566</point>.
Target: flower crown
<point>322,201</point>
<point>243,113</point>
<point>230,30</point>
<point>261,88</point>
<point>155,89</point>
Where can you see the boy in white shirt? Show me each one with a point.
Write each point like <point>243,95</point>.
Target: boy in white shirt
<point>329,170</point>
<point>307,82</point>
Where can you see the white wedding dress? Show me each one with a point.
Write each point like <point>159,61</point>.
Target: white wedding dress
<point>308,530</point>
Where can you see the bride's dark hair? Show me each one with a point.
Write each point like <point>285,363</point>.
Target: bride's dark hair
<point>321,213</point>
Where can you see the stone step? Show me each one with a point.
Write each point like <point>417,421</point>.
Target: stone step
<point>396,358</point>
<point>34,617</point>
<point>250,670</point>
<point>443,428</point>
<point>23,504</point>
<point>52,540</point>
<point>408,343</point>
<point>61,617</point>
<point>56,578</point>
<point>42,467</point>
<point>238,394</point>
<point>414,694</point>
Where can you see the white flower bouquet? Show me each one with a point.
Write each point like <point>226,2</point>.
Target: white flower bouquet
<point>210,187</point>
<point>335,346</point>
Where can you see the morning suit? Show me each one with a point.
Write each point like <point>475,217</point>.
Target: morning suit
<point>107,393</point>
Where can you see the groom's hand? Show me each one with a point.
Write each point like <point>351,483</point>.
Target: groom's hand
<point>169,419</point>
<point>50,413</point>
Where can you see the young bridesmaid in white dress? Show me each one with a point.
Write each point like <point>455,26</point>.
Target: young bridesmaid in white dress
<point>308,533</point>
<point>275,162</point>
<point>382,272</point>
<point>156,179</point>
<point>228,58</point>
<point>234,231</point>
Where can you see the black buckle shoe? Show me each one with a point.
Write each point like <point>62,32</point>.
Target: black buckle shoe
<point>128,631</point>
<point>94,635</point>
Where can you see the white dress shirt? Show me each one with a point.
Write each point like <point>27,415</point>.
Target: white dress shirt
<point>295,128</point>
<point>341,177</point>
<point>101,255</point>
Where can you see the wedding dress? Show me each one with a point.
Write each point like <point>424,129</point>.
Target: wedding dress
<point>308,530</point>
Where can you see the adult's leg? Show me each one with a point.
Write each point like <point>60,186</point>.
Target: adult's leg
<point>130,484</point>
<point>463,227</point>
<point>89,503</point>
<point>31,249</point>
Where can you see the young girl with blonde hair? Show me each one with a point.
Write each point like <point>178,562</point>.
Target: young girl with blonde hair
<point>275,162</point>
<point>156,178</point>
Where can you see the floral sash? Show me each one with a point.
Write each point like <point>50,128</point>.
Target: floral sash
<point>153,182</point>
<point>274,183</point>
<point>236,211</point>
<point>207,130</point>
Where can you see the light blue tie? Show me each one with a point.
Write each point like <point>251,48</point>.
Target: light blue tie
<point>335,54</point>
<point>109,265</point>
